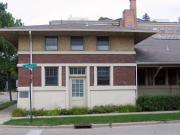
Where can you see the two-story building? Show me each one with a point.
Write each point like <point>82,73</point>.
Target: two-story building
<point>82,63</point>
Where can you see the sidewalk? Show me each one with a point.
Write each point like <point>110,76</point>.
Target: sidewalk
<point>5,114</point>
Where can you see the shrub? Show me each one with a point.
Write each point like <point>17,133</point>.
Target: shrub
<point>19,112</point>
<point>40,112</point>
<point>127,108</point>
<point>78,111</point>
<point>104,109</point>
<point>54,112</point>
<point>159,102</point>
<point>64,112</point>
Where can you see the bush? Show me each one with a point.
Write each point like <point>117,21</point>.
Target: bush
<point>159,102</point>
<point>64,112</point>
<point>54,112</point>
<point>104,109</point>
<point>19,112</point>
<point>40,112</point>
<point>78,111</point>
<point>128,108</point>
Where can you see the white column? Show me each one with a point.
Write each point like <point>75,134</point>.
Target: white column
<point>95,75</point>
<point>111,75</point>
<point>88,86</point>
<point>67,87</point>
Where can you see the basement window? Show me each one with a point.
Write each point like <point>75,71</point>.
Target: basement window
<point>51,43</point>
<point>102,43</point>
<point>103,76</point>
<point>51,76</point>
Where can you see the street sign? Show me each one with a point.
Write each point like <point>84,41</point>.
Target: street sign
<point>29,66</point>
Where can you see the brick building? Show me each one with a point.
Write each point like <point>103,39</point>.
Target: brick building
<point>80,63</point>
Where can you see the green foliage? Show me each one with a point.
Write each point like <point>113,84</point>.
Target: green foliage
<point>18,112</point>
<point>40,112</point>
<point>128,108</point>
<point>78,111</point>
<point>104,109</point>
<point>65,112</point>
<point>6,18</point>
<point>146,17</point>
<point>54,112</point>
<point>159,102</point>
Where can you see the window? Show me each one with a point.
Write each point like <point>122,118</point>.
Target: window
<point>77,70</point>
<point>178,30</point>
<point>141,76</point>
<point>102,44</point>
<point>77,43</point>
<point>172,76</point>
<point>103,75</point>
<point>77,88</point>
<point>170,30</point>
<point>51,43</point>
<point>161,30</point>
<point>51,76</point>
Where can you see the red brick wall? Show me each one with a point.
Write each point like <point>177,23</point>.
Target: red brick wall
<point>24,77</point>
<point>91,76</point>
<point>124,76</point>
<point>77,58</point>
<point>63,76</point>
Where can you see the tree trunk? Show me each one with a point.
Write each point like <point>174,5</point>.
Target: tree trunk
<point>8,88</point>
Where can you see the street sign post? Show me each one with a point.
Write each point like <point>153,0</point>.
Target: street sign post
<point>30,67</point>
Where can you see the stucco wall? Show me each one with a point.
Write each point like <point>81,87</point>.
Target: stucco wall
<point>117,43</point>
<point>112,97</point>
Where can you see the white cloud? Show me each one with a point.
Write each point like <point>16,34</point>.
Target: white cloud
<point>42,11</point>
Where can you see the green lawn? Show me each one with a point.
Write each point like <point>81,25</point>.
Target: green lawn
<point>7,104</point>
<point>96,119</point>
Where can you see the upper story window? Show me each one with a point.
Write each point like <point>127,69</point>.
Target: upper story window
<point>161,30</point>
<point>51,43</point>
<point>178,30</point>
<point>103,75</point>
<point>77,43</point>
<point>102,43</point>
<point>51,76</point>
<point>170,30</point>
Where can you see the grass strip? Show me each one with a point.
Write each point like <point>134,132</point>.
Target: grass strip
<point>7,104</point>
<point>95,119</point>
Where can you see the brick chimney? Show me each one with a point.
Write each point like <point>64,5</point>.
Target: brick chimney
<point>129,16</point>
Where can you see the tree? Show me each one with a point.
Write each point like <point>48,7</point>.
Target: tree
<point>8,53</point>
<point>146,17</point>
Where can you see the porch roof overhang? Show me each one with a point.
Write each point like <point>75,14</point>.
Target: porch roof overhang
<point>13,33</point>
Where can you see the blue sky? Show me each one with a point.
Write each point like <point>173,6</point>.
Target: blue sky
<point>42,11</point>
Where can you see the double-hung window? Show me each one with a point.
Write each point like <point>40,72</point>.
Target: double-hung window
<point>103,75</point>
<point>77,43</point>
<point>51,43</point>
<point>51,76</point>
<point>102,43</point>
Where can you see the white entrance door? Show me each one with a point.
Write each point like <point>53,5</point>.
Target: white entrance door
<point>78,94</point>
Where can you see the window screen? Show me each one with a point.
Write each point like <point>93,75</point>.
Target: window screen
<point>77,43</point>
<point>102,44</point>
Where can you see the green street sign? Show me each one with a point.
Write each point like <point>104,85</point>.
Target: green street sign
<point>29,66</point>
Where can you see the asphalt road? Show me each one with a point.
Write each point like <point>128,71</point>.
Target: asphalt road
<point>159,129</point>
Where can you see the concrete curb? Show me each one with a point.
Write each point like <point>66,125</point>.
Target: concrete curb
<point>111,125</point>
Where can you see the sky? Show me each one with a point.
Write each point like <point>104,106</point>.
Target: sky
<point>35,12</point>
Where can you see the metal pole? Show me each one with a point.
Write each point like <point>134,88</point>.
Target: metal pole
<point>31,85</point>
<point>30,97</point>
